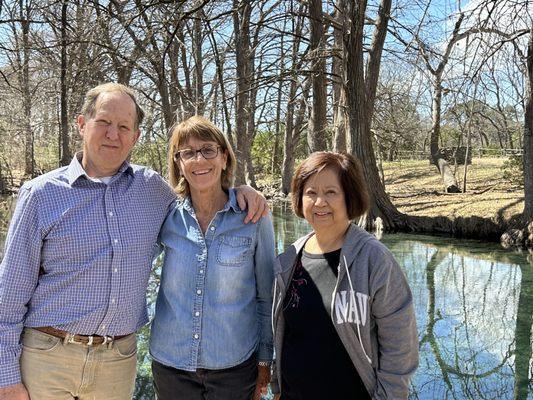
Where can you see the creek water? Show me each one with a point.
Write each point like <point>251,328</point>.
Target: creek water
<point>474,309</point>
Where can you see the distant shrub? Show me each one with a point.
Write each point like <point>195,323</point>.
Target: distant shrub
<point>513,170</point>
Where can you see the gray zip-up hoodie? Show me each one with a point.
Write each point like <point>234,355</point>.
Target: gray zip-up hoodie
<point>371,309</point>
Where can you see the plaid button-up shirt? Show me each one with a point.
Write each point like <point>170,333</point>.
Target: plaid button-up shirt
<point>78,255</point>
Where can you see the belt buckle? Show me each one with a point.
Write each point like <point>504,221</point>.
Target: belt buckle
<point>71,338</point>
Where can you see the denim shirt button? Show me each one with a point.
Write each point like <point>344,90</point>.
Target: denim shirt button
<point>197,313</point>
<point>212,228</point>
<point>201,271</point>
<point>196,336</point>
<point>198,291</point>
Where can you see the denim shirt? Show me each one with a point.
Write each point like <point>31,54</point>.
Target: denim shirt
<point>213,308</point>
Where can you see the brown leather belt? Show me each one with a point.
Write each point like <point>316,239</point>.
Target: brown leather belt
<point>91,340</point>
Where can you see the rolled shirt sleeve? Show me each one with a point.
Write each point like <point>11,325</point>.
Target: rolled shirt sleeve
<point>19,274</point>
<point>264,276</point>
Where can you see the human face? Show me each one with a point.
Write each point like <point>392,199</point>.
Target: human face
<point>109,135</point>
<point>323,203</point>
<point>202,174</point>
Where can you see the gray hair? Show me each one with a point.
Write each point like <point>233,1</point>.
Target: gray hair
<point>89,103</point>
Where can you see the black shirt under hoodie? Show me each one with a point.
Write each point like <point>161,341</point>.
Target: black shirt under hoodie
<point>314,361</point>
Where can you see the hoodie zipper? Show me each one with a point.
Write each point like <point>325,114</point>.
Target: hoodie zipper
<point>333,303</point>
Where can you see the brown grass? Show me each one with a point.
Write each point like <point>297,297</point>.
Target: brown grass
<point>416,188</point>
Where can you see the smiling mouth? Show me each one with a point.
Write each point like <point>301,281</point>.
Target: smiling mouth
<point>322,214</point>
<point>201,172</point>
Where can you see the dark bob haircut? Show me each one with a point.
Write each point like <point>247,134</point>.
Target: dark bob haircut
<point>350,174</point>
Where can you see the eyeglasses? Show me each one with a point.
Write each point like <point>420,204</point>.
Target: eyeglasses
<point>208,152</point>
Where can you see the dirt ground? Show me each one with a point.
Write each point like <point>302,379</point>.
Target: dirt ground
<point>415,187</point>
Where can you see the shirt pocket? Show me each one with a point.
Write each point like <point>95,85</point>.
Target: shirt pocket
<point>233,250</point>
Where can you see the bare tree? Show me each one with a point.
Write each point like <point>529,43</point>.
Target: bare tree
<point>241,24</point>
<point>63,135</point>
<point>360,98</point>
<point>316,134</point>
<point>339,95</point>
<point>296,104</point>
<point>527,214</point>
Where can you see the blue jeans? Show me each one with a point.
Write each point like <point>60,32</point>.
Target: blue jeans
<point>235,383</point>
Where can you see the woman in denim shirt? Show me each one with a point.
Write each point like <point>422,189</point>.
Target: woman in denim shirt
<point>211,337</point>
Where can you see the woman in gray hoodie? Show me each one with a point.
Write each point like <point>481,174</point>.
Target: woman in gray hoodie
<point>343,318</point>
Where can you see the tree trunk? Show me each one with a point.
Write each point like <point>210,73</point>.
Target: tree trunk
<point>29,161</point>
<point>293,129</point>
<point>198,66</point>
<point>288,148</point>
<point>337,68</point>
<point>524,319</point>
<point>275,159</point>
<point>241,23</point>
<point>250,128</point>
<point>527,156</point>
<point>360,142</point>
<point>316,136</point>
<point>64,137</point>
<point>219,62</point>
<point>436,157</point>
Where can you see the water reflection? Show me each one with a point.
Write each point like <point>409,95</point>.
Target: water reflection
<point>474,307</point>
<point>474,314</point>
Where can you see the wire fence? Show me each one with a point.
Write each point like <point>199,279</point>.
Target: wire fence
<point>479,152</point>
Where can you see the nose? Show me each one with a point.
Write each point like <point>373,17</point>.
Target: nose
<point>112,132</point>
<point>320,201</point>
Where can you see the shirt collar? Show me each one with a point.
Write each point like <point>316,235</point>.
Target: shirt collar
<point>231,203</point>
<point>75,169</point>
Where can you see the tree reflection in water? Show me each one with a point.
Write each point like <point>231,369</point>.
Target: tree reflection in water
<point>474,315</point>
<point>474,305</point>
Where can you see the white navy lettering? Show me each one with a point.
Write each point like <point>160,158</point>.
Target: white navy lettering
<point>348,309</point>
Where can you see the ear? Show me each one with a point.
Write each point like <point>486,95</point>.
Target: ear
<point>137,136</point>
<point>225,159</point>
<point>81,124</point>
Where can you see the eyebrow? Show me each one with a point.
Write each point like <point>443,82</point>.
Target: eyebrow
<point>327,187</point>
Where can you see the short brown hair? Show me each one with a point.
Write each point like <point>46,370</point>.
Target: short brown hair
<point>351,177</point>
<point>89,104</point>
<point>199,128</point>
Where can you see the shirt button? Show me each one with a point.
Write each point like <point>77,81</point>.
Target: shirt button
<point>201,271</point>
<point>197,313</point>
<point>196,336</point>
<point>102,328</point>
<point>110,213</point>
<point>115,241</point>
<point>115,270</point>
<point>212,228</point>
<point>112,300</point>
<point>198,291</point>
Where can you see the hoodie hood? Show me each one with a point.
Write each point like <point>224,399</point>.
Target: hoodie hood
<point>354,240</point>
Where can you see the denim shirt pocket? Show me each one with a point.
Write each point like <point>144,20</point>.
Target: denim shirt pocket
<point>233,250</point>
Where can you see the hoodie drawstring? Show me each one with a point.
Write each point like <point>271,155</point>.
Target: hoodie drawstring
<point>358,329</point>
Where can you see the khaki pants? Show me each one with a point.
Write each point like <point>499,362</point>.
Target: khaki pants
<point>52,369</point>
